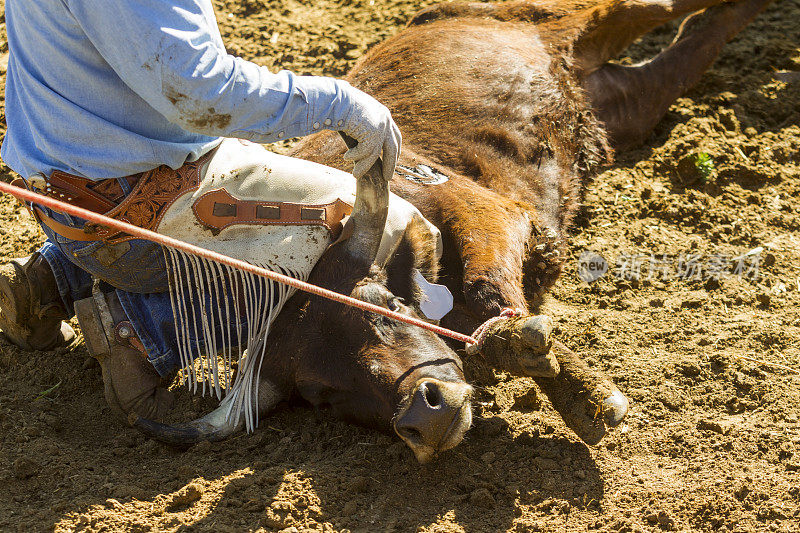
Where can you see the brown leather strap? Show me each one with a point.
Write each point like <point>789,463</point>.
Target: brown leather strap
<point>65,231</point>
<point>218,209</point>
<point>153,193</point>
<point>80,191</point>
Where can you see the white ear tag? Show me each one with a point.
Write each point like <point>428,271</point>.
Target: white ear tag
<point>436,299</point>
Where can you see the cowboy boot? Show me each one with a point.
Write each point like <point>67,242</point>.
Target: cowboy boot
<point>32,313</point>
<point>131,384</point>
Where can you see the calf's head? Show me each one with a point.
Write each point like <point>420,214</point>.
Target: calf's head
<point>376,371</point>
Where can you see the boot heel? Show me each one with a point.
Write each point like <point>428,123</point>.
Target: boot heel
<point>93,328</point>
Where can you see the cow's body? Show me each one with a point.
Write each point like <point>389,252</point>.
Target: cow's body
<point>516,104</point>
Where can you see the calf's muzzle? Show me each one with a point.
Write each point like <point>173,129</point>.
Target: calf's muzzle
<point>434,417</point>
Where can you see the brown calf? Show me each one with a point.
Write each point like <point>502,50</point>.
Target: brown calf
<point>516,103</point>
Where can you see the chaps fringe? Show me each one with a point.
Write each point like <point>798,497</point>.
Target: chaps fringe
<point>218,310</point>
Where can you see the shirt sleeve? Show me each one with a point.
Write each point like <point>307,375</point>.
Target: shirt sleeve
<point>171,54</point>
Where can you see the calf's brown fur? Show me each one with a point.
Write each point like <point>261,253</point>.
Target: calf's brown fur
<point>517,103</point>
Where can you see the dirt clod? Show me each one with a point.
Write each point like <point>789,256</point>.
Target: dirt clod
<point>764,299</point>
<point>717,426</point>
<point>360,484</point>
<point>350,508</point>
<point>482,498</point>
<point>528,400</point>
<point>25,467</point>
<point>186,496</point>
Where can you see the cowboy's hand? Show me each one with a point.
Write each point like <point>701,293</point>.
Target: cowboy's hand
<point>370,124</point>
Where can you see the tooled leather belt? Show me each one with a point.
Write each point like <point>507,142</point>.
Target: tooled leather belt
<point>152,193</point>
<point>98,196</point>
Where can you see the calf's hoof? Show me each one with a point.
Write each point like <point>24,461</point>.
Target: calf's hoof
<point>588,402</point>
<point>521,345</point>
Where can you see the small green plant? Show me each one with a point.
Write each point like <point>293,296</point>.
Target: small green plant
<point>704,164</point>
<point>696,167</point>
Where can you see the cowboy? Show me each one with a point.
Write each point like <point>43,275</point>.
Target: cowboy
<point>106,99</point>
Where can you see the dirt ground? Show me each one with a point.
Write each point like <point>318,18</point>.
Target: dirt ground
<point>712,442</point>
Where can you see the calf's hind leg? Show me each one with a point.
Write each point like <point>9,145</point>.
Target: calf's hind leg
<point>631,100</point>
<point>606,29</point>
<point>597,30</point>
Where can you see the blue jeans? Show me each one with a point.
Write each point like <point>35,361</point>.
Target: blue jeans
<point>137,271</point>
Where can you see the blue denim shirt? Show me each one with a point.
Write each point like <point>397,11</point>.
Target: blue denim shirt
<point>109,88</point>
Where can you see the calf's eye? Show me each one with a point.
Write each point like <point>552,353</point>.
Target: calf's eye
<point>394,304</point>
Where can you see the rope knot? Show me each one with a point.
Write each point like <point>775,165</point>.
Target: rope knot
<point>480,334</point>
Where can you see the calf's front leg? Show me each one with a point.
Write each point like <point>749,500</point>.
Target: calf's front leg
<point>588,401</point>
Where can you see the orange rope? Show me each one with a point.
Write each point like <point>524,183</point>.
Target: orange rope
<point>164,240</point>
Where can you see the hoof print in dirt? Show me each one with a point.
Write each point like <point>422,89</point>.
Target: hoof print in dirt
<point>521,346</point>
<point>589,403</point>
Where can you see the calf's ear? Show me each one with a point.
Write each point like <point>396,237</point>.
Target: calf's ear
<point>416,250</point>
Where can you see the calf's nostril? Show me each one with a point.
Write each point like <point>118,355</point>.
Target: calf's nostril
<point>432,394</point>
<point>411,434</point>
